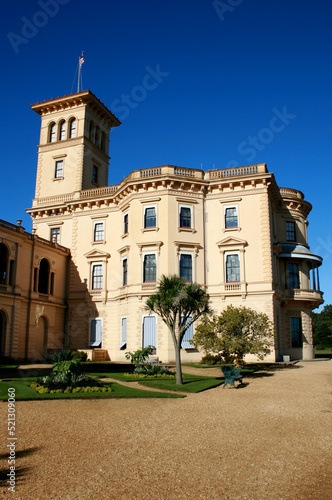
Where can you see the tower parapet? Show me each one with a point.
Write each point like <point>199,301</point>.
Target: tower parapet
<point>73,151</point>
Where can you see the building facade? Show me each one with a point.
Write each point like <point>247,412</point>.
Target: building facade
<point>32,293</point>
<point>234,231</point>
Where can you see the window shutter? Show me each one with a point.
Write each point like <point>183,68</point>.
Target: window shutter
<point>124,330</point>
<point>185,344</point>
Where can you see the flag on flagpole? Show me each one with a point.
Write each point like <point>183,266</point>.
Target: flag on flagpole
<point>81,59</point>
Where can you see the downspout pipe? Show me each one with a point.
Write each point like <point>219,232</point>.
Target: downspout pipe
<point>29,300</point>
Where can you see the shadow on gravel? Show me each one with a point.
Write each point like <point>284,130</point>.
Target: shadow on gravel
<point>20,454</point>
<point>278,368</point>
<point>242,386</point>
<point>20,472</point>
<point>268,371</point>
<point>258,375</point>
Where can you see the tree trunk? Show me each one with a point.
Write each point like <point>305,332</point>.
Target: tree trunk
<point>178,365</point>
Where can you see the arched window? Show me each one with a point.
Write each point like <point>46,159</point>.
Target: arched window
<point>72,128</point>
<point>102,141</point>
<point>3,263</point>
<point>44,275</point>
<point>62,131</point>
<point>51,136</point>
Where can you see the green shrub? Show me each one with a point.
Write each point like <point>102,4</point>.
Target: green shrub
<point>63,355</point>
<point>68,366</point>
<point>81,356</point>
<point>210,359</point>
<point>151,370</point>
<point>140,357</point>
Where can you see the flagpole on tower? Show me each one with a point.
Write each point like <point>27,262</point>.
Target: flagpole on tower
<point>80,62</point>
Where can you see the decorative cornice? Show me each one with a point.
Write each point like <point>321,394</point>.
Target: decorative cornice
<point>97,254</point>
<point>83,98</point>
<point>124,249</point>
<point>150,244</point>
<point>231,241</point>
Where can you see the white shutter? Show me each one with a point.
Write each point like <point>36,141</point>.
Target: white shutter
<point>149,331</point>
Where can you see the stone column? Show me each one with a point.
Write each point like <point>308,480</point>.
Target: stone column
<point>308,351</point>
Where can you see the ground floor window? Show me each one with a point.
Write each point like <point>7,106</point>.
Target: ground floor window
<point>296,332</point>
<point>95,332</point>
<point>150,332</point>
<point>123,342</point>
<point>185,344</point>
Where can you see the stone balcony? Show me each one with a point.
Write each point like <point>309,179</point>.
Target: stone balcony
<point>301,294</point>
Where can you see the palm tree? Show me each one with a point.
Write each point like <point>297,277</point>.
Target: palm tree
<point>179,304</point>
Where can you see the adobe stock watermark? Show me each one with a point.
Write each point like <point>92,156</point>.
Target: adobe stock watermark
<point>154,77</point>
<point>223,7</point>
<point>11,481</point>
<point>277,124</point>
<point>265,136</point>
<point>31,27</point>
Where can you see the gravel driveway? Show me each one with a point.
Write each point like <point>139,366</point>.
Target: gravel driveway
<point>268,440</point>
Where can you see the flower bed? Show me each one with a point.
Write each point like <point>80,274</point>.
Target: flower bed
<point>42,389</point>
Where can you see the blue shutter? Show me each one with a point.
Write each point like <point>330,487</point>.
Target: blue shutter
<point>149,331</point>
<point>123,342</point>
<point>185,344</point>
<point>95,332</point>
<point>98,331</point>
<point>124,330</point>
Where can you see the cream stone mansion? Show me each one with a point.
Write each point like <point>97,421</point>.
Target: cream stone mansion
<point>81,278</point>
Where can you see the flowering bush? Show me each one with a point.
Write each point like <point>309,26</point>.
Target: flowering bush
<point>67,377</point>
<point>45,390</point>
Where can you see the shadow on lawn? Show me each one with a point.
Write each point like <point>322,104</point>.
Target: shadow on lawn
<point>20,472</point>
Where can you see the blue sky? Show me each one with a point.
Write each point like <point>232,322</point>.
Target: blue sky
<point>222,70</point>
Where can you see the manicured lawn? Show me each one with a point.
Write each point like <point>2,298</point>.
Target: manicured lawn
<point>248,368</point>
<point>191,383</point>
<point>24,392</point>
